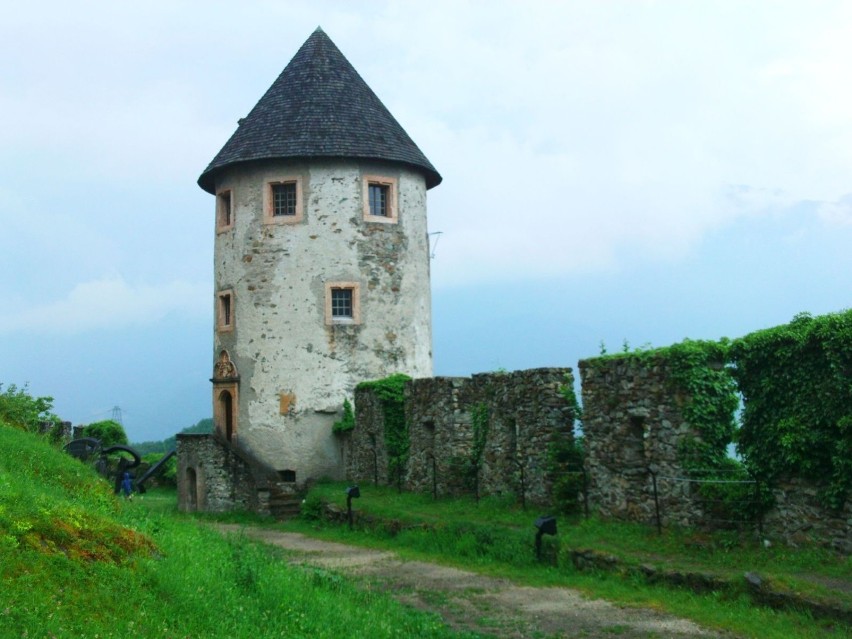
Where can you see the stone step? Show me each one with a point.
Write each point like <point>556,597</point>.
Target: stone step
<point>282,510</point>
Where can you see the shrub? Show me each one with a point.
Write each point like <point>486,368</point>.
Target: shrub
<point>347,422</point>
<point>21,410</point>
<point>108,431</point>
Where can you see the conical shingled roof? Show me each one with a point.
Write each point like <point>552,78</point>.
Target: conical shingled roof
<point>319,107</point>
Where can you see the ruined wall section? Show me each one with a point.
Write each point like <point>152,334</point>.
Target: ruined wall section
<point>366,457</point>
<point>633,421</point>
<point>437,412</point>
<point>526,412</point>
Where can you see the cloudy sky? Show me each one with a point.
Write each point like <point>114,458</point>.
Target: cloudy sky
<point>614,172</point>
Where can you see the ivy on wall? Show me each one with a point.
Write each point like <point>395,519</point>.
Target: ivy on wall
<point>565,457</point>
<point>347,422</point>
<point>699,375</point>
<point>708,398</point>
<point>391,393</point>
<point>480,421</point>
<point>698,368</point>
<point>796,381</point>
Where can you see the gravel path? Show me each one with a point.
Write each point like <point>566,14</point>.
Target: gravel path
<point>469,601</point>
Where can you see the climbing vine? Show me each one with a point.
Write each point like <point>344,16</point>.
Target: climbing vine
<point>480,418</point>
<point>796,381</point>
<point>391,393</point>
<point>565,457</point>
<point>466,467</point>
<point>729,492</point>
<point>347,422</point>
<point>698,369</point>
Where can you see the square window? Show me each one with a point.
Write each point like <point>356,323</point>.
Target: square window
<point>224,210</point>
<point>380,199</point>
<point>225,311</point>
<point>342,303</point>
<point>282,201</point>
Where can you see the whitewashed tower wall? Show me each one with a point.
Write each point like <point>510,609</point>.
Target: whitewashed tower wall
<point>290,358</point>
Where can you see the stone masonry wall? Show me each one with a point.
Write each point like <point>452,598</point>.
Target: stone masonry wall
<point>632,422</point>
<point>798,518</point>
<point>223,481</point>
<point>366,457</point>
<point>526,412</point>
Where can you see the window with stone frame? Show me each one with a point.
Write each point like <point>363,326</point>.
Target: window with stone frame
<point>224,210</point>
<point>225,311</point>
<point>282,201</point>
<point>380,199</point>
<point>342,303</point>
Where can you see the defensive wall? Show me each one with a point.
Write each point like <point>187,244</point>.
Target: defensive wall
<point>521,414</point>
<point>635,436</point>
<point>657,432</point>
<point>632,424</point>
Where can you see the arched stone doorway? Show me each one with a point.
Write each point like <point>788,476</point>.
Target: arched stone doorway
<point>226,382</point>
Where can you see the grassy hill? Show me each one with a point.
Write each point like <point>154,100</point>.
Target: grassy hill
<point>77,561</point>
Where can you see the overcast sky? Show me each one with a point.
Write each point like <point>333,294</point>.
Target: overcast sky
<point>639,171</point>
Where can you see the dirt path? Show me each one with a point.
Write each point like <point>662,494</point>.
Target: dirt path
<point>469,601</point>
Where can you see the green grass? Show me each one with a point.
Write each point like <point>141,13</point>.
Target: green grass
<point>683,550</point>
<point>496,537</point>
<point>76,561</point>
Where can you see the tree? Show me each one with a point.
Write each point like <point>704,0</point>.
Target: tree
<point>21,410</point>
<point>169,443</point>
<point>108,431</point>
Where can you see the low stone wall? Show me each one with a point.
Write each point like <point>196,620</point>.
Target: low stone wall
<point>632,421</point>
<point>798,518</point>
<point>211,478</point>
<point>526,412</point>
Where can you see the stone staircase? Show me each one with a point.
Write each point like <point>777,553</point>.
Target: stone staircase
<point>272,496</point>
<point>284,501</point>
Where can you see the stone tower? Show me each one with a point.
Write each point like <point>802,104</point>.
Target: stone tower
<point>321,262</point>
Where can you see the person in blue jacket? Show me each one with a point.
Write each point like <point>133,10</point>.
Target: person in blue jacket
<point>127,486</point>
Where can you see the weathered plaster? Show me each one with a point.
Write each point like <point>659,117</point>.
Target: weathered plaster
<point>280,341</point>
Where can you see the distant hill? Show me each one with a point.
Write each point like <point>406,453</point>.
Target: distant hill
<point>164,446</point>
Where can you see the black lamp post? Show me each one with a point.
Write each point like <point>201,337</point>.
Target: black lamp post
<point>546,526</point>
<point>351,493</point>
